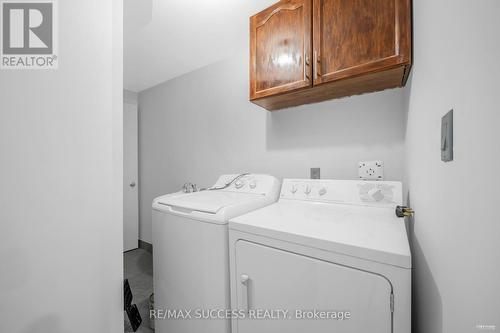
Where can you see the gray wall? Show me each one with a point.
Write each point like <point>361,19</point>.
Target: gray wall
<point>198,126</point>
<point>61,166</point>
<point>456,227</point>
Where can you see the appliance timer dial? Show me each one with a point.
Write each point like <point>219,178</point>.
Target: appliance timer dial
<point>307,189</point>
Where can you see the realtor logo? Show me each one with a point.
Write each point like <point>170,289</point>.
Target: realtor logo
<point>29,34</point>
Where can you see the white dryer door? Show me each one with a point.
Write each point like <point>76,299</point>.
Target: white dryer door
<point>272,279</point>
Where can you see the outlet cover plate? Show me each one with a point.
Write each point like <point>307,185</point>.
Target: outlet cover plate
<point>315,173</point>
<point>371,170</point>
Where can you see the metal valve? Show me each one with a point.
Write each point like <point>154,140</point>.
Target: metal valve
<point>403,211</point>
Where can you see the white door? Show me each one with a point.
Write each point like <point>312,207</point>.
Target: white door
<point>272,279</point>
<point>130,175</point>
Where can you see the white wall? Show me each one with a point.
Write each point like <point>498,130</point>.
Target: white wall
<point>198,126</point>
<point>60,194</point>
<point>456,230</point>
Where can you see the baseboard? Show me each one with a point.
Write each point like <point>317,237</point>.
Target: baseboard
<point>145,246</point>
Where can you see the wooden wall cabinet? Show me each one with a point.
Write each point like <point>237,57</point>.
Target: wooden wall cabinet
<point>306,51</point>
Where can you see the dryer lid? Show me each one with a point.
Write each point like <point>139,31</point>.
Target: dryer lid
<point>370,233</point>
<point>207,201</point>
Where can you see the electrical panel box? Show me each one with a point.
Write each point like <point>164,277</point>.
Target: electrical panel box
<point>447,137</point>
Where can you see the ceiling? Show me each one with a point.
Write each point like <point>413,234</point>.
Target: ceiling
<point>164,39</point>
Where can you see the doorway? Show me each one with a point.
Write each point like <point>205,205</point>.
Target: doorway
<point>130,177</point>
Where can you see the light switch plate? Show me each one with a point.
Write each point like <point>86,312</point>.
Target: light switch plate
<point>371,170</point>
<point>315,173</point>
<point>447,137</point>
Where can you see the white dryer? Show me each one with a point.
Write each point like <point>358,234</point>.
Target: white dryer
<point>190,250</point>
<point>330,253</point>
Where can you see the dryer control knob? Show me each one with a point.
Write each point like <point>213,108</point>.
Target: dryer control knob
<point>376,194</point>
<point>253,184</point>
<point>307,190</point>
<point>322,191</point>
<point>239,184</point>
<point>293,189</point>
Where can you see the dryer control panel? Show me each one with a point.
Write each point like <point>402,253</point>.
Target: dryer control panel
<point>354,192</point>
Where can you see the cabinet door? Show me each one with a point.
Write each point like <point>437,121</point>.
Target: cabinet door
<point>272,279</point>
<point>280,48</point>
<point>353,37</point>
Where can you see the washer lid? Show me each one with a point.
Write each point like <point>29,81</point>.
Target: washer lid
<point>207,201</point>
<point>371,233</point>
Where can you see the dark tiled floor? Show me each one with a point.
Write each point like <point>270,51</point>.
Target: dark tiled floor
<point>138,269</point>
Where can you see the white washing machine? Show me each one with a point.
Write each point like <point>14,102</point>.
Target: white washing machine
<point>190,250</point>
<point>327,248</point>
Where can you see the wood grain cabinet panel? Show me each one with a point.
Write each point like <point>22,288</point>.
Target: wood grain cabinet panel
<point>352,47</point>
<point>280,48</point>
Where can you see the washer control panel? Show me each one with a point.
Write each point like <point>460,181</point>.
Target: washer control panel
<point>370,193</point>
<point>251,183</point>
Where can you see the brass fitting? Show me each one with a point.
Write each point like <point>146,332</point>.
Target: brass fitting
<point>403,211</point>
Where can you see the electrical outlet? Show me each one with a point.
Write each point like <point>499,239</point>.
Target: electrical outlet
<point>371,170</point>
<point>315,173</point>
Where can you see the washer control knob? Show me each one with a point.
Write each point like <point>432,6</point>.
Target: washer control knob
<point>322,191</point>
<point>307,189</point>
<point>253,184</point>
<point>239,184</point>
<point>293,189</point>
